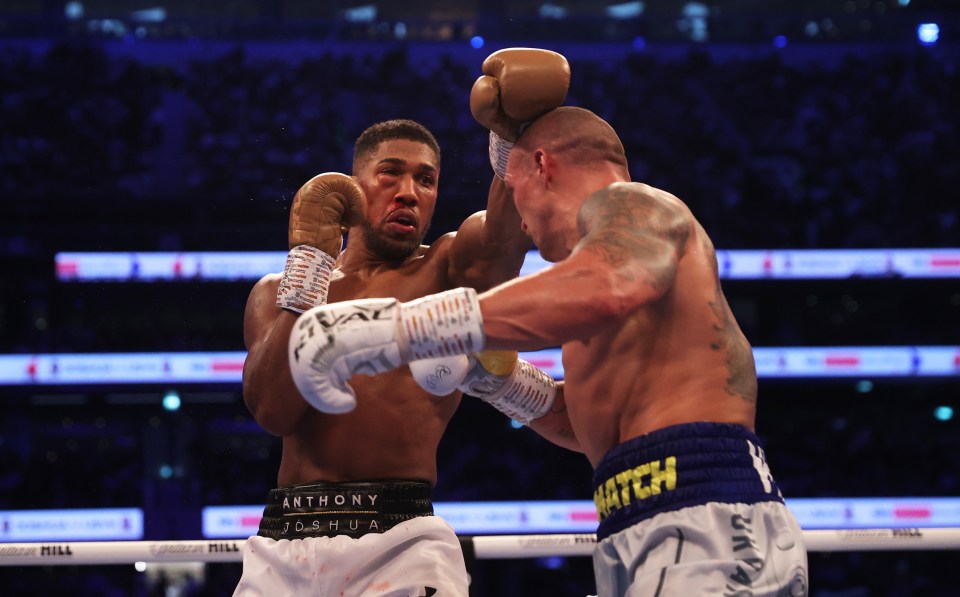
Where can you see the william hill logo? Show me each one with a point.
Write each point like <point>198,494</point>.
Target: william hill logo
<point>223,548</point>
<point>55,550</point>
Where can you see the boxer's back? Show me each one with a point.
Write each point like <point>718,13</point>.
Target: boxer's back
<point>678,359</point>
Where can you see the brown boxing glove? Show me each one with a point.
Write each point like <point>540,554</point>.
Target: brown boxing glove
<point>323,208</point>
<point>517,86</point>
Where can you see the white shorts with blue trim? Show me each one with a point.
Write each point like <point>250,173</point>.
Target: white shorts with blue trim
<point>693,509</point>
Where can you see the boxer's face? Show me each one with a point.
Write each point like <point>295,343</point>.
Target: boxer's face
<point>534,202</point>
<point>400,180</point>
<point>520,179</point>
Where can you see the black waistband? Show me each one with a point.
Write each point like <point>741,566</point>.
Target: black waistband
<point>678,467</point>
<point>353,509</point>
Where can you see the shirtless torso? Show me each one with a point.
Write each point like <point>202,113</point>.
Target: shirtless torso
<point>680,358</point>
<point>654,341</point>
<point>395,429</point>
<point>660,385</point>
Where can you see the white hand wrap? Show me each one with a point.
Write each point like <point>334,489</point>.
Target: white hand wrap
<point>525,395</point>
<point>331,343</point>
<point>499,150</point>
<point>442,324</point>
<point>306,279</point>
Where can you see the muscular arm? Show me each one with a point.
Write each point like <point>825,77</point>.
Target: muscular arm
<point>490,246</point>
<point>632,237</point>
<point>268,388</point>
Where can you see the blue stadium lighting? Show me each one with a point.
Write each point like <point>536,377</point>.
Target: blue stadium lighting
<point>150,15</point>
<point>166,471</point>
<point>73,10</point>
<point>761,264</point>
<point>516,424</point>
<point>864,386</point>
<point>928,33</point>
<point>639,43</point>
<point>171,400</point>
<point>552,11</point>
<point>625,10</point>
<point>552,562</point>
<point>477,42</point>
<point>903,2</point>
<point>780,41</point>
<point>943,413</point>
<point>361,14</point>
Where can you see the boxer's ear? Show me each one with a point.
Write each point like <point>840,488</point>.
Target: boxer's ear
<point>544,164</point>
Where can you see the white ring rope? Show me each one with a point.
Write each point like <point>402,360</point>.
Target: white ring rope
<point>485,547</point>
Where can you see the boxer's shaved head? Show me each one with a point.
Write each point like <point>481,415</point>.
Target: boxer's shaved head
<point>574,132</point>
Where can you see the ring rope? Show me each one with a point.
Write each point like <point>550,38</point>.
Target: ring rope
<point>484,547</point>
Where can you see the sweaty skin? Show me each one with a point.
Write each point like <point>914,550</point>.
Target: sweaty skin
<point>634,297</point>
<point>396,427</point>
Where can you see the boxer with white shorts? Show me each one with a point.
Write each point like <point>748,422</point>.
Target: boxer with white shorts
<point>692,509</point>
<point>353,539</point>
<point>393,432</point>
<point>660,385</point>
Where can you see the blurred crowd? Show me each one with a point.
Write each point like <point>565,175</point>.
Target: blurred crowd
<point>852,151</point>
<point>104,151</point>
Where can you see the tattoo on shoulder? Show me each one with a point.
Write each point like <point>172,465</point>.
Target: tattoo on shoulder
<point>634,231</point>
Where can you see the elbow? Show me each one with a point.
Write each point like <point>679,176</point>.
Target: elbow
<point>262,405</point>
<point>256,407</point>
<point>271,425</point>
<point>267,418</point>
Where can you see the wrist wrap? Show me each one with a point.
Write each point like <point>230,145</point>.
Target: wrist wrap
<point>306,279</point>
<point>443,324</point>
<point>526,395</point>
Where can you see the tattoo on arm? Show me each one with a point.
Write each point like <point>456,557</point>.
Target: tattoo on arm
<point>564,431</point>
<point>742,380</point>
<point>638,234</point>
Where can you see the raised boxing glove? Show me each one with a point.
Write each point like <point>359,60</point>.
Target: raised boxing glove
<point>517,86</point>
<point>323,207</point>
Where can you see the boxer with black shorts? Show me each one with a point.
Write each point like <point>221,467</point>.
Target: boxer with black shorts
<point>660,386</point>
<point>352,512</point>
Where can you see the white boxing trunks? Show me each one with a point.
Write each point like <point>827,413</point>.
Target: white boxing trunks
<point>693,510</point>
<point>351,540</point>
